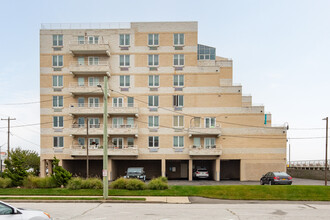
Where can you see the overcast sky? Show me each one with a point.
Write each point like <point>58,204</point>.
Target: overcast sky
<point>280,49</point>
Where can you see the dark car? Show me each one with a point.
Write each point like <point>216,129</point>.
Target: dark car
<point>135,172</point>
<point>274,178</point>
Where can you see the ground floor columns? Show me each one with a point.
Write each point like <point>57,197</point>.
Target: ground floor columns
<point>217,169</point>
<point>50,167</point>
<point>110,169</point>
<point>163,168</point>
<point>190,169</point>
<point>42,168</point>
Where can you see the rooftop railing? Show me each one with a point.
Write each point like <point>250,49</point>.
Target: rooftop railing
<point>110,25</point>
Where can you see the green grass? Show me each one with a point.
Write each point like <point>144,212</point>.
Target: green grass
<point>68,198</point>
<point>243,192</point>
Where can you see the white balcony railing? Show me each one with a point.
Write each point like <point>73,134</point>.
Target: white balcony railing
<point>89,42</point>
<point>122,147</point>
<point>85,85</point>
<point>86,64</point>
<point>205,150</point>
<point>123,126</point>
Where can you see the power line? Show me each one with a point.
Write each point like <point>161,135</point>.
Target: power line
<point>26,140</point>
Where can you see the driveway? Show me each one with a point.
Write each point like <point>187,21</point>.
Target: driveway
<point>296,181</point>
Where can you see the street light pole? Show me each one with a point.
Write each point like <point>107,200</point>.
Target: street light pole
<point>87,156</point>
<point>326,153</point>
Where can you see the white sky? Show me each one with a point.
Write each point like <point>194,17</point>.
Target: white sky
<point>281,52</point>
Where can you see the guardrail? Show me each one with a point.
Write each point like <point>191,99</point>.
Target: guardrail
<point>308,163</point>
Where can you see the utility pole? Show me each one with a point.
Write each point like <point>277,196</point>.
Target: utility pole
<point>289,153</point>
<point>8,119</point>
<point>326,153</point>
<point>87,158</point>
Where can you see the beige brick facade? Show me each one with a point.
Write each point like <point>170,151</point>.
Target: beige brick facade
<point>230,138</point>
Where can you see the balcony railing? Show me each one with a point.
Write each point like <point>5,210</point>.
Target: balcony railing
<point>206,131</point>
<point>97,150</point>
<point>124,129</point>
<point>81,129</point>
<point>86,108</point>
<point>98,68</point>
<point>95,47</point>
<point>124,109</point>
<point>92,88</point>
<point>205,150</point>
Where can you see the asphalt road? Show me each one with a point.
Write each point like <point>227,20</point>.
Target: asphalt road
<point>98,211</point>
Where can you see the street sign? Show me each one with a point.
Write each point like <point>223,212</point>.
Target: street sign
<point>105,172</point>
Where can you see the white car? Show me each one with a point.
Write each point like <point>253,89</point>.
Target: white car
<point>201,173</point>
<point>9,212</point>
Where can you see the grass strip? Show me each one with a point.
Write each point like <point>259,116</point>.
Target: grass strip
<point>234,192</point>
<point>71,198</point>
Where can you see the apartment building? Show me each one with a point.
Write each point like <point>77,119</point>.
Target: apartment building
<point>172,105</point>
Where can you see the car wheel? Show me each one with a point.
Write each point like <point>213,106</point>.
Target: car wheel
<point>270,183</point>
<point>261,182</point>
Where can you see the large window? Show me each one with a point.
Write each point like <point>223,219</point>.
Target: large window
<point>178,121</point>
<point>124,60</point>
<point>58,121</point>
<point>153,60</point>
<point>81,141</point>
<point>178,141</point>
<point>117,122</point>
<point>178,39</point>
<point>93,61</point>
<point>130,101</point>
<point>94,122</point>
<point>178,80</point>
<point>209,122</point>
<point>93,102</point>
<point>93,39</point>
<point>153,39</point>
<point>57,101</point>
<point>205,52</point>
<point>58,141</point>
<point>130,142</point>
<point>124,39</point>
<point>57,81</point>
<point>178,60</point>
<point>93,142</point>
<point>57,60</point>
<point>93,81</point>
<point>117,102</point>
<point>153,81</point>
<point>209,142</point>
<point>153,121</point>
<point>153,101</point>
<point>57,40</point>
<point>153,141</point>
<point>117,143</point>
<point>178,100</point>
<point>124,81</point>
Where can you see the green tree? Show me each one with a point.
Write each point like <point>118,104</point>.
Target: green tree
<point>60,175</point>
<point>16,167</point>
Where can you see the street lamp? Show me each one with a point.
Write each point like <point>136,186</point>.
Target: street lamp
<point>105,137</point>
<point>326,152</point>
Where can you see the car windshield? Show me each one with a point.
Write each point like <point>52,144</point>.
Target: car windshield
<point>280,174</point>
<point>202,170</point>
<point>134,170</point>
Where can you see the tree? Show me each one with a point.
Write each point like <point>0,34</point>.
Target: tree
<point>60,175</point>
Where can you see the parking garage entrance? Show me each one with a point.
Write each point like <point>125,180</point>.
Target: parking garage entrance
<point>208,164</point>
<point>230,169</point>
<point>177,169</point>
<point>152,168</point>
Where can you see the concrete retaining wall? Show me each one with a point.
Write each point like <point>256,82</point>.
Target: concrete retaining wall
<point>308,174</point>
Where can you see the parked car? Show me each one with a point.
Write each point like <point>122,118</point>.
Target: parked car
<point>201,173</point>
<point>274,178</point>
<point>136,172</point>
<point>10,212</point>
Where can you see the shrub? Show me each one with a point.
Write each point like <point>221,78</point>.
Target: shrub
<point>119,183</point>
<point>135,184</point>
<point>159,183</point>
<point>75,183</point>
<point>60,175</point>
<point>33,182</point>
<point>92,183</point>
<point>5,182</point>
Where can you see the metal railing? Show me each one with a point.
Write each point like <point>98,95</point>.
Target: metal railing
<point>89,126</point>
<point>308,163</point>
<point>86,105</point>
<point>123,105</point>
<point>85,85</point>
<point>82,147</point>
<point>122,126</point>
<point>122,147</point>
<point>112,147</point>
<point>89,42</point>
<point>203,127</point>
<point>84,64</point>
<point>203,147</point>
<point>109,25</point>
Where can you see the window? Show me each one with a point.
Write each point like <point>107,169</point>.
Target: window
<point>81,40</point>
<point>117,102</point>
<point>124,81</point>
<point>117,122</point>
<point>81,61</point>
<point>81,141</point>
<point>94,123</point>
<point>124,39</point>
<point>130,142</point>
<point>57,81</point>
<point>58,101</point>
<point>153,101</point>
<point>178,121</point>
<point>124,60</point>
<point>93,61</point>
<point>209,142</point>
<point>58,141</point>
<point>178,39</point>
<point>153,141</point>
<point>178,100</point>
<point>197,142</point>
<point>81,122</point>
<point>81,102</point>
<point>178,60</point>
<point>153,60</point>
<point>197,122</point>
<point>153,121</point>
<point>153,39</point>
<point>93,102</point>
<point>130,101</point>
<point>153,81</point>
<point>93,81</point>
<point>117,143</point>
<point>178,80</point>
<point>93,142</point>
<point>178,141</point>
<point>81,81</point>
<point>209,122</point>
<point>57,60</point>
<point>205,52</point>
<point>57,40</point>
<point>93,39</point>
<point>130,122</point>
<point>58,121</point>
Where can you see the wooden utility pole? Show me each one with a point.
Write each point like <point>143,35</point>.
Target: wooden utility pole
<point>8,141</point>
<point>87,158</point>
